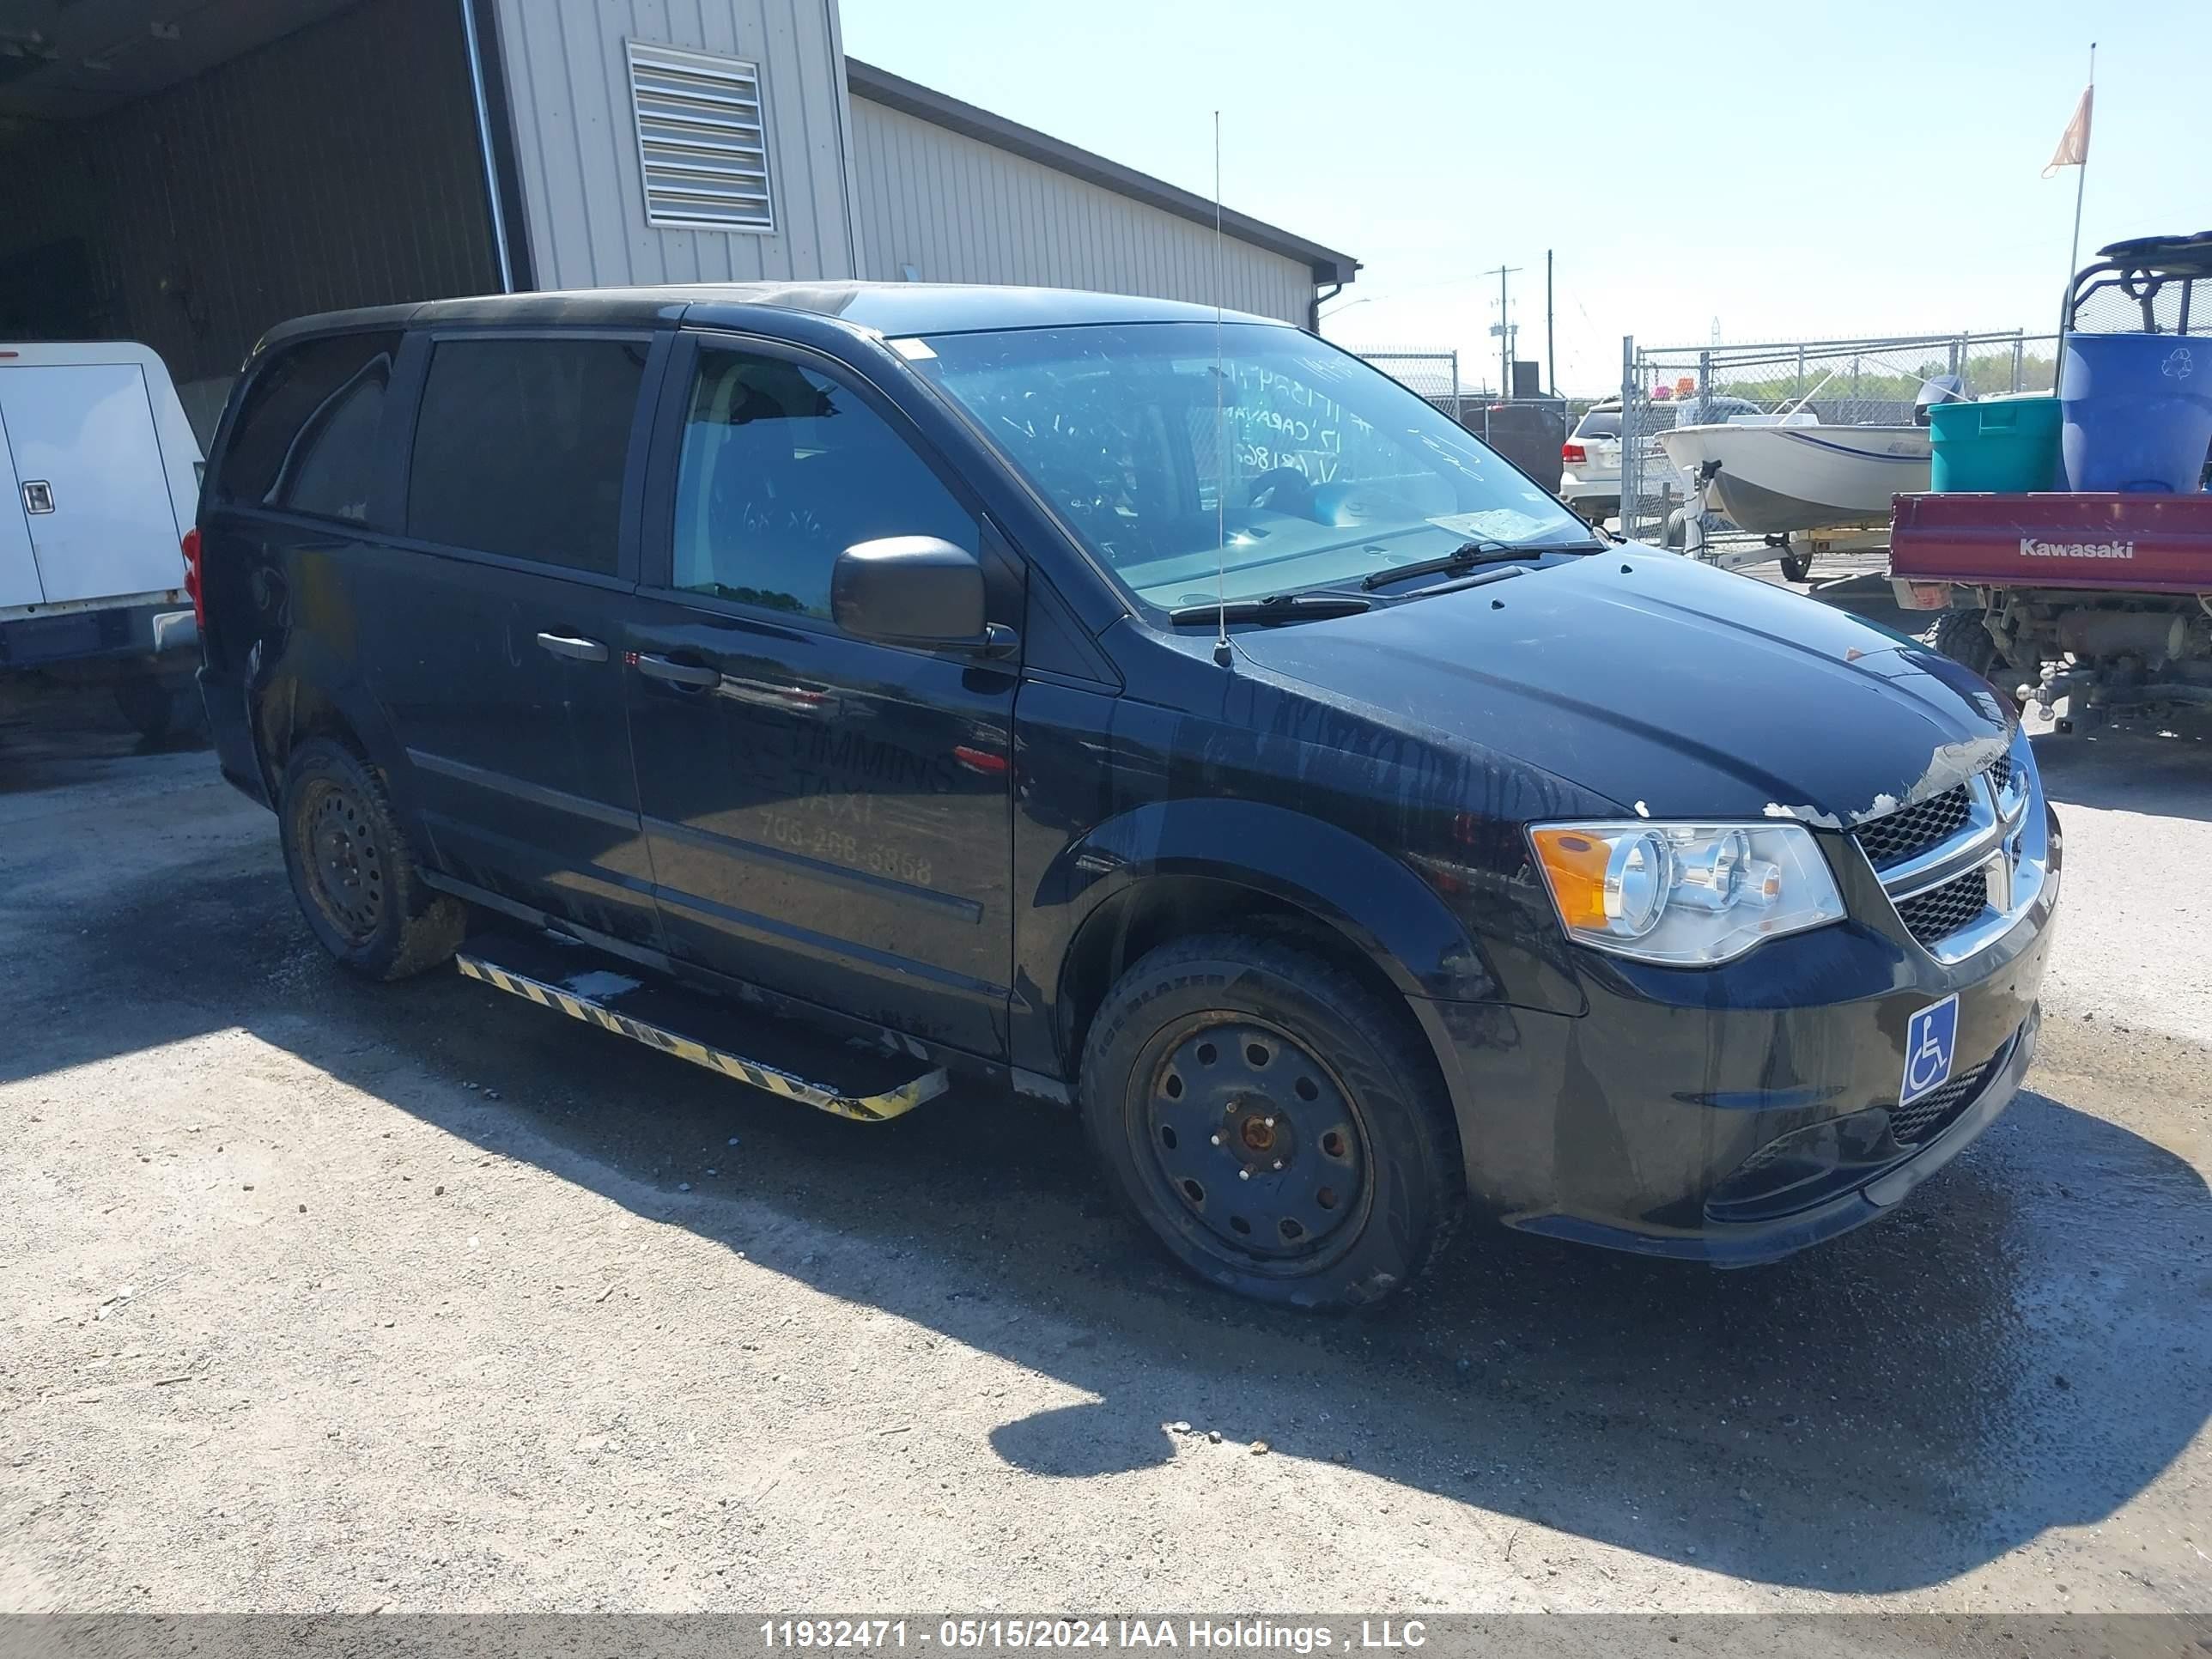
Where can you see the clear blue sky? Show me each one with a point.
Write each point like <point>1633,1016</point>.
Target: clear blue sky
<point>1795,168</point>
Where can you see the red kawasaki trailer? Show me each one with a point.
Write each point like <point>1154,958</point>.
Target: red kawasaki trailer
<point>2103,599</point>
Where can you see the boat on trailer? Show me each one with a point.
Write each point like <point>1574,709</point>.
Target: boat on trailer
<point>1778,475</point>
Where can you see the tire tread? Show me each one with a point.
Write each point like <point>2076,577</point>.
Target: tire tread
<point>1389,1032</point>
<point>429,926</point>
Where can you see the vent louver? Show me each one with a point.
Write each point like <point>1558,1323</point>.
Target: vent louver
<point>702,143</point>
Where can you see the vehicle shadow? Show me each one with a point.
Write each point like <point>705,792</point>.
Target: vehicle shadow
<point>64,737</point>
<point>2026,1346</point>
<point>2130,771</point>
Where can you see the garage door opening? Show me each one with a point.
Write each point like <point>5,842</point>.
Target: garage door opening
<point>187,175</point>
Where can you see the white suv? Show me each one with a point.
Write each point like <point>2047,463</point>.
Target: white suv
<point>1590,475</point>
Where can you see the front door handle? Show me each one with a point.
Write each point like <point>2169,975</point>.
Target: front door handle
<point>569,645</point>
<point>696,676</point>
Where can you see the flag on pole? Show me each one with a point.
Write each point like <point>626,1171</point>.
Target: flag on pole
<point>2073,150</point>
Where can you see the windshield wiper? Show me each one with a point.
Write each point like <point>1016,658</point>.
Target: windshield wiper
<point>1468,555</point>
<point>1275,608</point>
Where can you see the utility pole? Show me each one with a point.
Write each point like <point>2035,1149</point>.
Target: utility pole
<point>1551,356</point>
<point>1503,333</point>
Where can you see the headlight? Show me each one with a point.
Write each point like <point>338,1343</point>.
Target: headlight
<point>1686,893</point>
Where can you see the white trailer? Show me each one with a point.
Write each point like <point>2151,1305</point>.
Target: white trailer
<point>100,474</point>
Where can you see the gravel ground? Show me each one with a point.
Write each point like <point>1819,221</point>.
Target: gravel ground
<point>322,1295</point>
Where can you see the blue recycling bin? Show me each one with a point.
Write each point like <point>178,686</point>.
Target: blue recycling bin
<point>2138,411</point>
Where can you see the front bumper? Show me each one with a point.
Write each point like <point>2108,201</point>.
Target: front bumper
<point>1853,1199</point>
<point>1735,1115</point>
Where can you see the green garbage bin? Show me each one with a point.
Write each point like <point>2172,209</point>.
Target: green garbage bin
<point>2006,446</point>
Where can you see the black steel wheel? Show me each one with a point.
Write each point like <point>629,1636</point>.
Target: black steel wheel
<point>345,866</point>
<point>1255,1137</point>
<point>1280,1128</point>
<point>351,871</point>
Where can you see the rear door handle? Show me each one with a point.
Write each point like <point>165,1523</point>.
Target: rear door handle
<point>568,645</point>
<point>696,676</point>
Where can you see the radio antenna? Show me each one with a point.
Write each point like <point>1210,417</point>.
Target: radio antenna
<point>1222,651</point>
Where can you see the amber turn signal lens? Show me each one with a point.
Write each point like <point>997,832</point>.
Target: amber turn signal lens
<point>1574,863</point>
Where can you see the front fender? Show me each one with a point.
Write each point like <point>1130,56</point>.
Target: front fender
<point>1348,884</point>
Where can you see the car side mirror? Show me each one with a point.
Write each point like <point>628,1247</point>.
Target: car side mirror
<point>913,590</point>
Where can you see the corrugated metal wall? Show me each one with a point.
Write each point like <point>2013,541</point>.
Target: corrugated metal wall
<point>567,81</point>
<point>960,210</point>
<point>335,166</point>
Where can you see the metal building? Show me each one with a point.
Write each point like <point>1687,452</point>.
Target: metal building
<point>951,193</point>
<point>189,175</point>
<point>661,143</point>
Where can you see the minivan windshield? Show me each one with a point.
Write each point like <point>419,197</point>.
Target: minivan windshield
<point>1291,466</point>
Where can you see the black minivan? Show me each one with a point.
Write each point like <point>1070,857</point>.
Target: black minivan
<point>1155,712</point>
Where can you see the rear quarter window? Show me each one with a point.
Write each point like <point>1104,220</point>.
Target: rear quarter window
<point>521,447</point>
<point>306,435</point>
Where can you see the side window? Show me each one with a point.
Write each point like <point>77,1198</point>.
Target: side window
<point>305,438</point>
<point>781,469</point>
<point>519,448</point>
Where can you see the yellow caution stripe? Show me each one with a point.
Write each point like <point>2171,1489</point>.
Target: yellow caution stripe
<point>864,1108</point>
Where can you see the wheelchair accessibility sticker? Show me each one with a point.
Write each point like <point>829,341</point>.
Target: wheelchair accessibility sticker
<point>1931,1038</point>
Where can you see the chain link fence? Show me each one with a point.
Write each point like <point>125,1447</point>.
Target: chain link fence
<point>1433,374</point>
<point>1527,431</point>
<point>1872,382</point>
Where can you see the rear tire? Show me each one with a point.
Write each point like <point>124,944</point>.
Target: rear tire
<point>351,872</point>
<point>1279,1128</point>
<point>1959,635</point>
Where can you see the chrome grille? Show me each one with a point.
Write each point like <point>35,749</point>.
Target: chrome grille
<point>1910,1124</point>
<point>1943,911</point>
<point>1960,867</point>
<point>1913,829</point>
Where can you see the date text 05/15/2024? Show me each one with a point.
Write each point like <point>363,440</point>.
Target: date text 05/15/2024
<point>992,1634</point>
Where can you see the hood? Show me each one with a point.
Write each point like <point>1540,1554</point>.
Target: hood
<point>1665,685</point>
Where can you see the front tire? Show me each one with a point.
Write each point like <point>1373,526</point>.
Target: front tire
<point>1280,1128</point>
<point>351,872</point>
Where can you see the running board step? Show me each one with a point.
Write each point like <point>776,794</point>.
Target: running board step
<point>760,1049</point>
